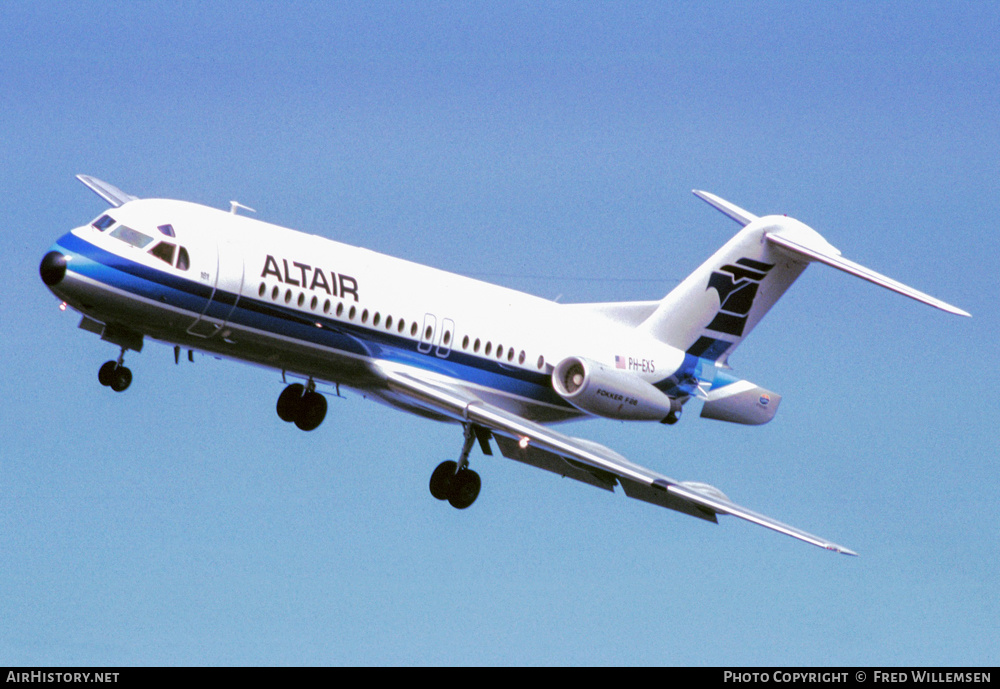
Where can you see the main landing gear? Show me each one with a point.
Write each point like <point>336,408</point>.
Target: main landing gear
<point>114,375</point>
<point>302,405</point>
<point>455,481</point>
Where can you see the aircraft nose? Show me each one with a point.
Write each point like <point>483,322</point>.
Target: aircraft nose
<point>53,268</point>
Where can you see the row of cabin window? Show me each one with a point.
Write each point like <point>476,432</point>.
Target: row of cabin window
<point>400,327</point>
<point>327,305</point>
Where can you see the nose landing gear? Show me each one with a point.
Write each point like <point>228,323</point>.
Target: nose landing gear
<point>114,375</point>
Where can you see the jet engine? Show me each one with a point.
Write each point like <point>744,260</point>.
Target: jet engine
<point>612,393</point>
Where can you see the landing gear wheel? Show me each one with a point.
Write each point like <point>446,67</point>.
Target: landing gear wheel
<point>107,372</point>
<point>311,411</point>
<point>441,479</point>
<point>460,487</point>
<point>464,489</point>
<point>121,379</point>
<point>289,401</point>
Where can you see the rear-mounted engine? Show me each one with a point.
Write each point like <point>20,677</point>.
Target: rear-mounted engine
<point>611,393</point>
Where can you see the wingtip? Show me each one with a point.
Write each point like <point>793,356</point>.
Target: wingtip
<point>842,550</point>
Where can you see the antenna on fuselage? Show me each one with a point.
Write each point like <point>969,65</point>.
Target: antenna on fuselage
<point>236,205</point>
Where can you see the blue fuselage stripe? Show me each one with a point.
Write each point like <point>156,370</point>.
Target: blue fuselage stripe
<point>121,273</point>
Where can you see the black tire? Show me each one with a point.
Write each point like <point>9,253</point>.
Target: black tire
<point>464,489</point>
<point>441,479</point>
<point>121,379</point>
<point>289,402</point>
<point>106,373</point>
<point>311,412</point>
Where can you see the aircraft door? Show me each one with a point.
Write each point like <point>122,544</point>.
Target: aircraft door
<point>228,282</point>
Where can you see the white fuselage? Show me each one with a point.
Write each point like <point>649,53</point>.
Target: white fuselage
<point>320,309</point>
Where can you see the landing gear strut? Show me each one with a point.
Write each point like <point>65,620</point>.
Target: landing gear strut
<point>114,375</point>
<point>455,481</point>
<point>302,405</point>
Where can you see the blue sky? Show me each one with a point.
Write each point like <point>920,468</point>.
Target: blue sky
<point>550,147</point>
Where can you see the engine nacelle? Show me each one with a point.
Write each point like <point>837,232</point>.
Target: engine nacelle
<point>614,394</point>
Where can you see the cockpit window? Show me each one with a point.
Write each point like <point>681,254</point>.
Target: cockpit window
<point>167,230</point>
<point>130,236</point>
<point>164,251</point>
<point>103,222</point>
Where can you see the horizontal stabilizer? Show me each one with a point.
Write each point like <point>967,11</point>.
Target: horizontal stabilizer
<point>733,211</point>
<point>840,263</point>
<point>109,192</point>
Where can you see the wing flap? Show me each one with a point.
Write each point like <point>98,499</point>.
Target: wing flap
<point>658,494</point>
<point>557,464</point>
<point>583,460</point>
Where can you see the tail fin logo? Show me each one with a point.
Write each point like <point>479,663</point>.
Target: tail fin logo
<point>737,287</point>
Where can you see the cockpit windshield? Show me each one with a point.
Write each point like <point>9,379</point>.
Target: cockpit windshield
<point>130,236</point>
<point>168,252</point>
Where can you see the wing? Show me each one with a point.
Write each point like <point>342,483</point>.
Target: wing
<point>583,460</point>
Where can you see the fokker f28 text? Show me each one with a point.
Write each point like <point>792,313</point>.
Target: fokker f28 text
<point>503,364</point>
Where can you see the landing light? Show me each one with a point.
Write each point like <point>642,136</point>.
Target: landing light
<point>523,443</point>
<point>62,307</point>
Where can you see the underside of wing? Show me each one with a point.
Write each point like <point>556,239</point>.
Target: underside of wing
<point>576,458</point>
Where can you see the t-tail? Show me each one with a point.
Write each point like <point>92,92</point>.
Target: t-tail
<point>710,313</point>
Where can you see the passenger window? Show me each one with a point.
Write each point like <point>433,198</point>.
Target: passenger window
<point>164,251</point>
<point>103,222</point>
<point>130,236</point>
<point>183,261</point>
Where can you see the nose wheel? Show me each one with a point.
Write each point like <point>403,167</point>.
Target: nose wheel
<point>302,405</point>
<point>455,481</point>
<point>114,375</point>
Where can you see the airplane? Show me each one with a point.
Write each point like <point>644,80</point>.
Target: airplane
<point>503,364</point>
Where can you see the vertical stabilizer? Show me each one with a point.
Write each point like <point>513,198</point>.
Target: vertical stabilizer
<point>714,308</point>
